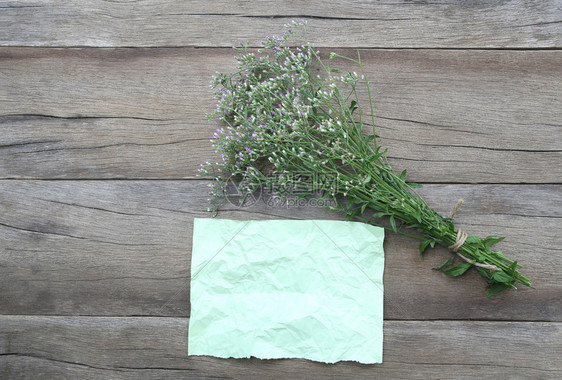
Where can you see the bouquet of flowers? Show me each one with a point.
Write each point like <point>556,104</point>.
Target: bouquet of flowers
<point>282,121</point>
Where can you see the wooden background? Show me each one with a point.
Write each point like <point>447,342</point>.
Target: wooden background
<point>102,117</point>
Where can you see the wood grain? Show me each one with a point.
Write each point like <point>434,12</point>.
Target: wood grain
<point>147,348</point>
<point>446,115</point>
<point>95,270</point>
<point>390,24</point>
<point>123,248</point>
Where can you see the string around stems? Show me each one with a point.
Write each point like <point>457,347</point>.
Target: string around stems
<point>461,239</point>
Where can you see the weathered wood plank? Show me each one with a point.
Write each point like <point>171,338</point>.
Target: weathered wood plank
<point>123,248</point>
<point>143,348</point>
<point>474,116</point>
<point>480,24</point>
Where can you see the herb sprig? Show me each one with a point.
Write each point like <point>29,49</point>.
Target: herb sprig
<point>281,121</point>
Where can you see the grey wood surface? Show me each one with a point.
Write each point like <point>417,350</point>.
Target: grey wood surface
<point>476,116</point>
<point>395,23</point>
<point>122,248</point>
<point>147,348</point>
<point>103,128</point>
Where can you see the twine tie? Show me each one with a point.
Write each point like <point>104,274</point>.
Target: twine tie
<point>461,238</point>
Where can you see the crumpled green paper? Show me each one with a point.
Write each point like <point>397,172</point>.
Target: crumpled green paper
<point>287,289</point>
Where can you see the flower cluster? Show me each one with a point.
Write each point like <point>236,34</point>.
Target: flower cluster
<point>278,119</point>
<point>280,122</point>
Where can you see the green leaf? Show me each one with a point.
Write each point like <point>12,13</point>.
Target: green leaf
<point>501,255</point>
<point>445,263</point>
<point>367,179</point>
<point>473,240</point>
<point>458,270</point>
<point>425,243</point>
<point>497,287</point>
<point>393,223</point>
<point>379,215</point>
<point>403,174</point>
<point>418,216</point>
<point>351,214</point>
<point>350,203</point>
<point>500,276</point>
<point>484,272</point>
<point>353,104</point>
<point>335,71</point>
<point>478,255</point>
<point>490,241</point>
<point>450,226</point>
<point>370,138</point>
<point>513,268</point>
<point>414,185</point>
<point>364,207</point>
